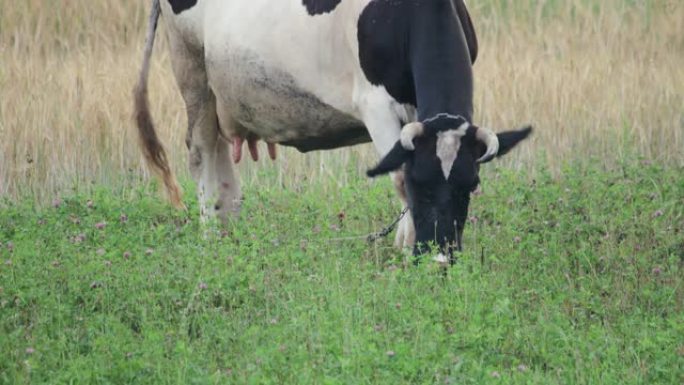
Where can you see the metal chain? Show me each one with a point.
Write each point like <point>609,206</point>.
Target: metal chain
<point>374,237</point>
<point>385,232</point>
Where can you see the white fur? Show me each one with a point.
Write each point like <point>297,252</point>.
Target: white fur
<point>442,116</point>
<point>448,144</point>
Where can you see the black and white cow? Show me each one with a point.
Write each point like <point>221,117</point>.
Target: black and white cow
<point>323,74</point>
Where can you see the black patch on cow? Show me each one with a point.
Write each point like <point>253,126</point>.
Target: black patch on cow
<point>179,6</point>
<point>351,136</point>
<point>383,48</point>
<point>419,51</point>
<point>319,7</point>
<point>468,29</point>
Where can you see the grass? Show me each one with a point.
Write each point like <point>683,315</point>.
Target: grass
<point>570,280</point>
<point>573,269</point>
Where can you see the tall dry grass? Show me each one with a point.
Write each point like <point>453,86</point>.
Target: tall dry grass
<point>596,77</point>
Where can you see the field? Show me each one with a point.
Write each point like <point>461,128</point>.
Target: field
<point>573,271</point>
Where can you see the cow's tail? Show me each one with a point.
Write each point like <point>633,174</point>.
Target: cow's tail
<point>151,146</point>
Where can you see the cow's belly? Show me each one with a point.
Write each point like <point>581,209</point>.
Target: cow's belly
<point>291,83</point>
<point>270,104</point>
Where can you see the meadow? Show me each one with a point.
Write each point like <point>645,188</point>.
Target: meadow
<point>573,269</point>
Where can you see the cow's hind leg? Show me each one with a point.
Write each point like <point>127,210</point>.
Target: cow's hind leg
<point>218,187</point>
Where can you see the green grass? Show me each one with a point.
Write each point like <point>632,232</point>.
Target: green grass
<point>575,280</point>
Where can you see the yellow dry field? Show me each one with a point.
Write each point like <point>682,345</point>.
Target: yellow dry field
<point>601,79</point>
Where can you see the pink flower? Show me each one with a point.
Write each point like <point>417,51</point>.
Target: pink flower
<point>658,213</point>
<point>30,350</point>
<point>517,239</point>
<point>203,286</point>
<point>56,203</point>
<point>657,271</point>
<point>127,254</point>
<point>100,225</point>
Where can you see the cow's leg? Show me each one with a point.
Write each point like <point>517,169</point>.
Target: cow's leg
<point>218,186</point>
<point>229,199</point>
<point>380,116</point>
<point>406,232</point>
<point>210,165</point>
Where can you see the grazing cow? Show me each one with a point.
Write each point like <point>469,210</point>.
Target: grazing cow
<point>323,74</point>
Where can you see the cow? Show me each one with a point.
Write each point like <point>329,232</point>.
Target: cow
<point>324,74</point>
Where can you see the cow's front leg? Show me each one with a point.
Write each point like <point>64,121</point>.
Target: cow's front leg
<point>380,115</point>
<point>406,232</point>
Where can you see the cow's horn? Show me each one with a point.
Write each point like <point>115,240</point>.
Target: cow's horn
<point>489,138</point>
<point>410,132</point>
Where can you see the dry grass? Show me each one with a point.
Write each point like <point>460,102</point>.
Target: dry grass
<point>595,77</point>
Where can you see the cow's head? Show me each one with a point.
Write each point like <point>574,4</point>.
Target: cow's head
<point>441,171</point>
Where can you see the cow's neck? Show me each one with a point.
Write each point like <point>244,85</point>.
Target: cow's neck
<point>417,50</point>
<point>441,65</point>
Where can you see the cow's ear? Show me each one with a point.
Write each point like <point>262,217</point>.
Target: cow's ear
<point>391,162</point>
<point>510,139</point>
